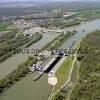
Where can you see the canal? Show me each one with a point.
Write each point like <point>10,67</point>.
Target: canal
<point>27,89</point>
<point>12,62</point>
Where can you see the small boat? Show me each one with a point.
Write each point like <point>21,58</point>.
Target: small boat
<point>37,76</point>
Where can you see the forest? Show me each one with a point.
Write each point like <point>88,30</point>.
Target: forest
<point>88,84</point>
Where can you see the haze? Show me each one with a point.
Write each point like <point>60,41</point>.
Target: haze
<point>45,0</point>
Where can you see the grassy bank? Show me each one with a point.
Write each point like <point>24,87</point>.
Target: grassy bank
<point>62,76</point>
<point>65,92</point>
<point>63,73</point>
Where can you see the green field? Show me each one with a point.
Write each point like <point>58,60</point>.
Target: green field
<point>3,27</point>
<point>89,14</point>
<point>63,73</point>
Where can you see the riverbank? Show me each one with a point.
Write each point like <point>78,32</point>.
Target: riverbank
<point>63,36</point>
<point>27,89</point>
<point>18,73</point>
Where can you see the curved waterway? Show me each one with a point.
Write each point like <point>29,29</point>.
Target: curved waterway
<point>12,63</point>
<point>88,27</point>
<point>27,89</point>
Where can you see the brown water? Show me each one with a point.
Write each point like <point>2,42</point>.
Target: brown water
<point>27,89</point>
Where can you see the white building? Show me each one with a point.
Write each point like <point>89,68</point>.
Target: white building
<point>32,31</point>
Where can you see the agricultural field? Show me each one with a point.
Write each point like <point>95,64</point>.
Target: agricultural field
<point>89,14</point>
<point>4,27</point>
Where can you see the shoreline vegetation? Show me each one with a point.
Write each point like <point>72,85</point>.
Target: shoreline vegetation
<point>10,44</point>
<point>23,69</point>
<point>16,75</point>
<point>88,83</point>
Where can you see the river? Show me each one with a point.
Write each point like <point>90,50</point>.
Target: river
<point>27,89</point>
<point>12,63</point>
